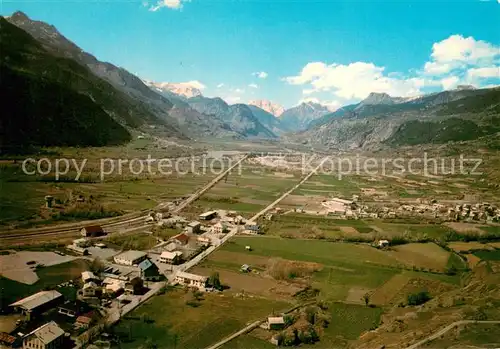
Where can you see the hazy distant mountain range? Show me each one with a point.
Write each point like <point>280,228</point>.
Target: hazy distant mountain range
<point>36,57</point>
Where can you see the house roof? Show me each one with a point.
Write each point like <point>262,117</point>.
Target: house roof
<point>7,338</point>
<point>84,319</point>
<point>183,238</point>
<point>145,264</point>
<point>131,255</point>
<point>194,224</point>
<point>37,299</point>
<point>92,229</point>
<point>190,276</point>
<point>90,285</point>
<point>47,333</point>
<point>170,255</point>
<point>88,275</point>
<point>277,320</point>
<point>209,213</point>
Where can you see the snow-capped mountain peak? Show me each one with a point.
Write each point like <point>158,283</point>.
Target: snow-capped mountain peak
<point>186,89</point>
<point>270,107</point>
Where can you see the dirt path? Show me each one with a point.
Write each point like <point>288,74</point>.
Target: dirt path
<point>448,328</point>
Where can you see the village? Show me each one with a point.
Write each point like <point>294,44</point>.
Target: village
<point>120,278</point>
<point>117,281</point>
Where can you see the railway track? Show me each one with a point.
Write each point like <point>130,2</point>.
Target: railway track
<point>113,224</point>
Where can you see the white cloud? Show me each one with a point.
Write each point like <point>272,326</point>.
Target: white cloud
<point>459,49</point>
<point>437,68</point>
<point>173,4</point>
<point>220,85</point>
<point>260,74</point>
<point>353,81</point>
<point>486,72</point>
<point>454,60</point>
<point>238,90</point>
<point>253,85</point>
<point>192,83</point>
<point>450,82</point>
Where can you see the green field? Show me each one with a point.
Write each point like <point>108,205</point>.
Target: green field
<point>139,241</point>
<point>22,196</point>
<point>247,341</point>
<point>179,325</point>
<point>346,267</point>
<point>488,255</point>
<point>349,321</point>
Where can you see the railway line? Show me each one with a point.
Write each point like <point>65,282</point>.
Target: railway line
<point>113,224</point>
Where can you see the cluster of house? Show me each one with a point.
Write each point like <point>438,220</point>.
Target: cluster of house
<point>484,212</point>
<point>475,212</point>
<point>48,335</point>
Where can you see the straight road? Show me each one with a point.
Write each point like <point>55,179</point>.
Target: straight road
<point>200,192</point>
<point>191,263</point>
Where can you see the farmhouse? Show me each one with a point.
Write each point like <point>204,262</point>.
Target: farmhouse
<point>194,227</point>
<point>8,340</point>
<point>245,268</point>
<point>88,276</point>
<point>79,250</point>
<point>180,239</point>
<point>130,257</point>
<point>219,228</point>
<point>191,280</point>
<point>170,257</point>
<point>134,286</point>
<point>252,226</point>
<point>38,303</point>
<point>83,321</point>
<point>276,323</point>
<point>383,243</point>
<point>73,309</point>
<point>92,231</point>
<point>114,286</point>
<point>48,336</point>
<point>90,289</point>
<point>208,215</point>
<point>149,271</point>
<point>204,240</point>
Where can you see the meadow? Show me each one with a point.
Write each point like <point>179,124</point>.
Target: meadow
<point>185,326</point>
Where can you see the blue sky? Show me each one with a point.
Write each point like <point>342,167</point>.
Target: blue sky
<point>332,51</point>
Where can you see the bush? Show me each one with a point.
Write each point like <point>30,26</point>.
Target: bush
<point>418,298</point>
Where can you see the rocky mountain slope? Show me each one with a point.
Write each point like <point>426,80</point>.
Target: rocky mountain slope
<point>239,117</point>
<point>270,107</point>
<point>267,119</point>
<point>157,100</point>
<point>54,101</point>
<point>461,114</point>
<point>298,118</point>
<point>382,103</point>
<point>151,103</point>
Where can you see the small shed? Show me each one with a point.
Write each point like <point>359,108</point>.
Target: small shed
<point>92,231</point>
<point>245,268</point>
<point>276,323</point>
